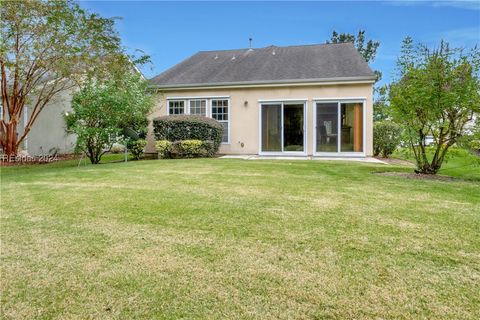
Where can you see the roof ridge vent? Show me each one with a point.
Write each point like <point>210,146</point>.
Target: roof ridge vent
<point>273,52</point>
<point>233,58</point>
<point>216,56</point>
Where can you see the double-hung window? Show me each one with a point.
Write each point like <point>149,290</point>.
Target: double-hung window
<point>176,107</point>
<point>214,108</point>
<point>198,107</point>
<point>220,113</point>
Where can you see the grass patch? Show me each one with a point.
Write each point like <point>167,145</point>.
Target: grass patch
<point>458,163</point>
<point>225,238</point>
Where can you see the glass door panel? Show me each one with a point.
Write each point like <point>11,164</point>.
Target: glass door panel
<point>327,127</point>
<point>293,124</point>
<point>352,127</point>
<point>272,128</point>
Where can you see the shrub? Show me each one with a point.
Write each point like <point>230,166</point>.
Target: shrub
<point>164,147</point>
<point>189,148</point>
<point>136,147</point>
<point>209,147</point>
<point>386,138</point>
<point>475,145</point>
<point>117,148</point>
<point>188,127</point>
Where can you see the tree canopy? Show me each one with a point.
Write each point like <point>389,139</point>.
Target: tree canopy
<point>104,109</point>
<point>436,93</point>
<point>48,47</point>
<point>367,49</point>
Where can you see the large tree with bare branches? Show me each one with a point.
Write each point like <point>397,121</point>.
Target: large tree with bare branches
<point>47,47</point>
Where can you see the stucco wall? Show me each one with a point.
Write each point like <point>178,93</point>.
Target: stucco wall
<point>244,120</point>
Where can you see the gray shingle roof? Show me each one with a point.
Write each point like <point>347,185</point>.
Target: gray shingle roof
<point>323,62</point>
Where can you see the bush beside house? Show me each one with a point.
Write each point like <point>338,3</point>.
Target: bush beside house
<point>386,138</point>
<point>187,136</point>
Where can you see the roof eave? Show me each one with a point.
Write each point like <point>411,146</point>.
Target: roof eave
<point>263,83</point>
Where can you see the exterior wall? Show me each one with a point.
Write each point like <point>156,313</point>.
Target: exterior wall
<point>244,120</point>
<point>48,130</point>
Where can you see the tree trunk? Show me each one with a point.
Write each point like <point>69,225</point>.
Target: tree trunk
<point>9,142</point>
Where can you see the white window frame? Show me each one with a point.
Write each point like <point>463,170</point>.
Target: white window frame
<point>339,102</point>
<point>228,115</point>
<point>208,108</point>
<point>177,100</point>
<point>304,102</point>
<point>190,106</point>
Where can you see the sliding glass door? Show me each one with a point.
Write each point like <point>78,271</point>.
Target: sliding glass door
<point>293,123</point>
<point>352,127</point>
<point>339,127</point>
<point>283,127</point>
<point>327,127</point>
<point>272,128</point>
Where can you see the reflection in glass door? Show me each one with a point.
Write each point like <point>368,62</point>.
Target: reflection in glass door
<point>339,127</point>
<point>293,127</point>
<point>272,128</point>
<point>327,127</point>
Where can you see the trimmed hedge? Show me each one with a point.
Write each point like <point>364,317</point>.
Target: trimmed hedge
<point>188,127</point>
<point>184,149</point>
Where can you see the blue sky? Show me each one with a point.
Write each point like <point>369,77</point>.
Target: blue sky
<point>172,31</point>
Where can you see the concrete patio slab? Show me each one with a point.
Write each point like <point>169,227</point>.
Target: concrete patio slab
<point>257,157</point>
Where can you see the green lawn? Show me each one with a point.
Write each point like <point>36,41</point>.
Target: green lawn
<point>458,163</point>
<point>223,239</point>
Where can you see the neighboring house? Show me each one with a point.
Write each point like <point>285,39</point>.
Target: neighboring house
<point>48,133</point>
<point>295,100</point>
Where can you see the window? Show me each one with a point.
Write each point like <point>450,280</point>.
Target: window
<point>198,107</point>
<point>176,107</point>
<point>220,113</point>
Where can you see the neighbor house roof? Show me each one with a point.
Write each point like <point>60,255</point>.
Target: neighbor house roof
<point>269,65</point>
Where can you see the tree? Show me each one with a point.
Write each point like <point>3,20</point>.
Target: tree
<point>368,50</point>
<point>380,105</point>
<point>101,109</point>
<point>48,47</point>
<point>436,94</point>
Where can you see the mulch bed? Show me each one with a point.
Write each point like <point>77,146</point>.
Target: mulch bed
<point>395,161</point>
<point>418,176</point>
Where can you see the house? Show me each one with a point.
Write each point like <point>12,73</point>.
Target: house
<point>295,100</point>
<point>48,133</point>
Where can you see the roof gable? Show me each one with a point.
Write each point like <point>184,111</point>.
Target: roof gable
<point>267,65</point>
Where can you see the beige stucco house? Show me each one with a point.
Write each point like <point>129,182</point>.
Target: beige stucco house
<point>311,100</point>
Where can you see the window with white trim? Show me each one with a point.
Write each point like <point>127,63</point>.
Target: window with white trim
<point>220,113</point>
<point>198,107</point>
<point>176,107</point>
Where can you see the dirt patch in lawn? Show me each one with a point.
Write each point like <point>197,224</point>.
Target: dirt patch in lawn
<point>419,176</point>
<point>394,161</point>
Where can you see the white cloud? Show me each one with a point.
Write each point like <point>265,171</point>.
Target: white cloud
<point>464,36</point>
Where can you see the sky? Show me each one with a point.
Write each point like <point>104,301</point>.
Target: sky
<point>172,31</point>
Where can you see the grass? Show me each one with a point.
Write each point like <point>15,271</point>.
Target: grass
<point>458,163</point>
<point>224,238</point>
